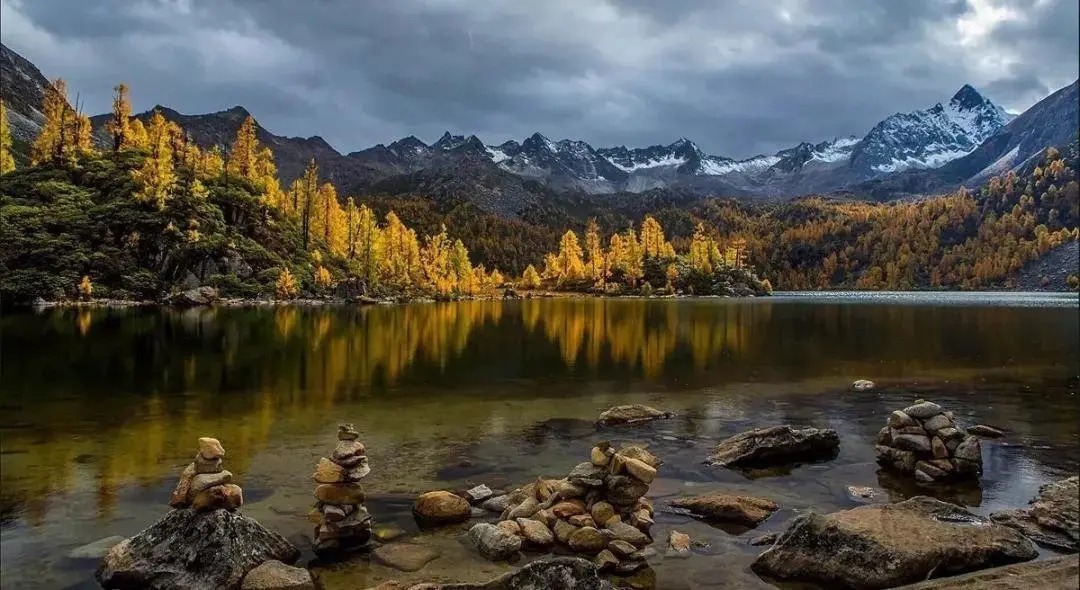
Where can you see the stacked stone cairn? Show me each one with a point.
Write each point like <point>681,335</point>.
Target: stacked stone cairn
<point>924,440</point>
<point>204,485</point>
<point>341,521</point>
<point>599,509</point>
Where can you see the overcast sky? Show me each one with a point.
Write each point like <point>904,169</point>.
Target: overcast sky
<point>737,77</point>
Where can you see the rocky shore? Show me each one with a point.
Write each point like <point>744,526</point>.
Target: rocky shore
<point>598,520</point>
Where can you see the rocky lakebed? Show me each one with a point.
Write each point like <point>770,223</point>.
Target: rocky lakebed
<point>596,526</point>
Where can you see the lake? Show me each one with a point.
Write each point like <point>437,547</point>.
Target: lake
<point>101,409</point>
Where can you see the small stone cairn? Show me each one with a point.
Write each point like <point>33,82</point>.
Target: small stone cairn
<point>599,509</point>
<point>204,485</point>
<point>341,521</point>
<point>924,440</point>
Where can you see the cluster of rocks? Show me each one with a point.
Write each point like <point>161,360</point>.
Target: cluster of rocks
<point>204,484</point>
<point>341,521</point>
<point>205,542</point>
<point>599,509</point>
<point>925,441</point>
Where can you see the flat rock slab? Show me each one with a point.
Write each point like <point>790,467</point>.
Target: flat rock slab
<point>1052,520</point>
<point>189,549</point>
<point>775,445</point>
<point>882,546</point>
<point>630,414</point>
<point>745,510</point>
<point>1062,573</point>
<point>407,557</point>
<point>274,575</point>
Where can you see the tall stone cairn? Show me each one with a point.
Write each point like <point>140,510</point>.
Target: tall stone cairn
<point>204,484</point>
<point>924,441</point>
<point>341,521</point>
<point>599,509</point>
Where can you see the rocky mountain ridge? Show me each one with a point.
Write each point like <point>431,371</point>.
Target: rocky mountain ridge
<point>905,153</point>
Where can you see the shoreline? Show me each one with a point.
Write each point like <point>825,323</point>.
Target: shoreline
<point>364,301</point>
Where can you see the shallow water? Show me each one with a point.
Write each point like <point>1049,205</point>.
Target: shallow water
<point>101,408</point>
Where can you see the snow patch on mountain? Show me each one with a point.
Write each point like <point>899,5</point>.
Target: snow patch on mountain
<point>836,150</point>
<point>666,160</point>
<point>714,166</point>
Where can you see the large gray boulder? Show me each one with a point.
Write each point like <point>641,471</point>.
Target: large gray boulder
<point>1052,519</point>
<point>882,546</point>
<point>189,549</point>
<point>775,445</point>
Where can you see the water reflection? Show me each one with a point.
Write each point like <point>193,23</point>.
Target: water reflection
<point>100,407</point>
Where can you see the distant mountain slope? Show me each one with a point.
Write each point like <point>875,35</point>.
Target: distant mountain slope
<point>1052,122</point>
<point>23,87</point>
<point>1051,271</point>
<point>964,140</point>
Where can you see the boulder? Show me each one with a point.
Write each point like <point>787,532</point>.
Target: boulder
<point>536,533</point>
<point>679,542</point>
<point>628,533</point>
<point>624,490</point>
<point>496,504</point>
<point>586,539</point>
<point>1052,519</point>
<point>588,475</point>
<point>640,470</point>
<point>605,561</point>
<point>274,575</point>
<point>190,549</point>
<point>228,497</point>
<point>342,493</point>
<point>744,510</point>
<point>863,385</point>
<point>641,454</point>
<point>441,507</point>
<point>492,542</point>
<point>882,546</point>
<point>630,414</point>
<point>407,557</point>
<point>775,445</point>
<point>1060,573</point>
<point>210,448</point>
<point>479,493</point>
<point>923,410</point>
<point>985,431</point>
<point>326,471</point>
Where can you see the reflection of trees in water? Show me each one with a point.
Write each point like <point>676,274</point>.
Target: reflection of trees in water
<point>241,370</point>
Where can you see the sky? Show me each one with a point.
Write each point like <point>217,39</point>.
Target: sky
<point>738,77</point>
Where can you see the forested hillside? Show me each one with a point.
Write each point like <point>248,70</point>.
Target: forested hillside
<point>154,214</point>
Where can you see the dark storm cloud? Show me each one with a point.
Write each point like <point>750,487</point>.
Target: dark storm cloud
<point>738,77</point>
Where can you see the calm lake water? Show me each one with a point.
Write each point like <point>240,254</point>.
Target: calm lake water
<point>101,409</point>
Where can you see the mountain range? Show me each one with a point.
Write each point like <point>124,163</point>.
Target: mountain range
<point>961,141</point>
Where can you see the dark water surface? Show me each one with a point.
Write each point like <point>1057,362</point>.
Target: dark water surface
<point>101,409</point>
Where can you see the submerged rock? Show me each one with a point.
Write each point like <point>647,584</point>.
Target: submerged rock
<point>985,431</point>
<point>883,546</point>
<point>745,510</point>
<point>189,549</point>
<point>1053,517</point>
<point>560,573</point>
<point>630,414</point>
<point>97,549</point>
<point>274,575</point>
<point>778,444</point>
<point>407,557</point>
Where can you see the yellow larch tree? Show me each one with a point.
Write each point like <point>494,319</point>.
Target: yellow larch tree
<point>53,141</point>
<point>157,174</point>
<point>594,252</point>
<point>139,138</point>
<point>530,279</point>
<point>653,242</point>
<point>119,125</point>
<point>7,160</point>
<point>435,259</point>
<point>700,259</point>
<point>468,279</point>
<point>211,164</point>
<point>568,262</point>
<point>244,150</point>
